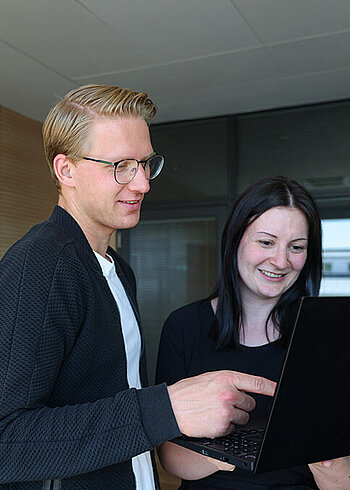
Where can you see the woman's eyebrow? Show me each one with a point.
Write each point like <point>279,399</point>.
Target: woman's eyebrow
<point>274,236</point>
<point>266,233</point>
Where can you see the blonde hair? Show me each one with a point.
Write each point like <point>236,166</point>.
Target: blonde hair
<point>67,127</point>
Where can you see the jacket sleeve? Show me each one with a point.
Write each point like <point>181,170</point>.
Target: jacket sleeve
<point>40,440</point>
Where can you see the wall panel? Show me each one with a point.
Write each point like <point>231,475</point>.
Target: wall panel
<point>27,193</point>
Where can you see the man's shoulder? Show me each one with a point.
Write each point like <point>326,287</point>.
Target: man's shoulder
<point>43,241</point>
<point>36,259</point>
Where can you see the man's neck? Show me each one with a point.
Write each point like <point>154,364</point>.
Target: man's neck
<point>98,239</point>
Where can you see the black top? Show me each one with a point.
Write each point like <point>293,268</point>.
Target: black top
<point>187,350</point>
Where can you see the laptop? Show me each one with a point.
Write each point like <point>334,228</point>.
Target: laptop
<point>309,420</point>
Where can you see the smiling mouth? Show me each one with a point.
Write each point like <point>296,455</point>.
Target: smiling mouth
<point>271,274</point>
<point>131,202</point>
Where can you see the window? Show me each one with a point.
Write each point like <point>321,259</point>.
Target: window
<point>196,155</point>
<point>336,257</point>
<point>327,267</point>
<point>308,144</point>
<point>175,263</point>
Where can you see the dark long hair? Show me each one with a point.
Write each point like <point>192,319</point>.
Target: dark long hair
<point>252,203</point>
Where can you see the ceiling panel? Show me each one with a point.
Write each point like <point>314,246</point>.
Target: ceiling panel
<point>228,69</point>
<point>168,30</point>
<point>29,87</point>
<point>155,80</point>
<point>195,58</point>
<point>65,36</point>
<point>313,55</point>
<point>189,77</point>
<point>257,96</point>
<point>280,20</point>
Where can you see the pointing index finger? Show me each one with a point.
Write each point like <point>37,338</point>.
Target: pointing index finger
<point>253,384</point>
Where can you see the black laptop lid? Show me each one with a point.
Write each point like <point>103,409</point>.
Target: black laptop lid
<point>310,418</point>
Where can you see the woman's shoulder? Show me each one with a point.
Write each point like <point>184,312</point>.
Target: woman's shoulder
<point>188,324</point>
<point>191,311</point>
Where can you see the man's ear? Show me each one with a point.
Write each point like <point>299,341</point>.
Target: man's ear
<point>62,167</point>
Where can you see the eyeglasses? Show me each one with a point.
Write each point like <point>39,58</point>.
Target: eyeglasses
<point>125,170</point>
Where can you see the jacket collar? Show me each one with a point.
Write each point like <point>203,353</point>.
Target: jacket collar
<point>65,221</point>
<point>71,228</point>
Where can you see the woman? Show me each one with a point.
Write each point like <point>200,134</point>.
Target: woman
<point>271,256</point>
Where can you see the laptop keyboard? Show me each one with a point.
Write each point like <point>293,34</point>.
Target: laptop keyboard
<point>242,443</point>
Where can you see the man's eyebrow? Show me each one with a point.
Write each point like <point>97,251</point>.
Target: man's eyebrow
<point>142,159</point>
<point>148,156</point>
<point>130,158</point>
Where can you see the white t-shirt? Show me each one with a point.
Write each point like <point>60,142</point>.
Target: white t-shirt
<point>141,464</point>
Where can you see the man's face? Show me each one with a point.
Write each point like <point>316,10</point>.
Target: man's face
<point>99,202</point>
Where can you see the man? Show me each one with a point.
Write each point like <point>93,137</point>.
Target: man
<point>75,409</point>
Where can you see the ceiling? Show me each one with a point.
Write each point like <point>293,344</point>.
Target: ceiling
<point>195,58</point>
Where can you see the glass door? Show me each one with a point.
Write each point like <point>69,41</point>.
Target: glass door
<point>175,263</point>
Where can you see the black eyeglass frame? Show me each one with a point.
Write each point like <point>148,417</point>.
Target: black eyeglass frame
<point>142,162</point>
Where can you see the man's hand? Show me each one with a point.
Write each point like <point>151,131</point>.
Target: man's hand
<point>209,405</point>
<point>332,475</point>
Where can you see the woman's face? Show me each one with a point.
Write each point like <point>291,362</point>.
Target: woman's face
<point>272,253</point>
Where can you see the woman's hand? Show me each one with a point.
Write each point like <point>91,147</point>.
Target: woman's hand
<point>221,465</point>
<point>333,474</point>
<point>187,464</point>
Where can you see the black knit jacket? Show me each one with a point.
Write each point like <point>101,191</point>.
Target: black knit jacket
<point>67,417</point>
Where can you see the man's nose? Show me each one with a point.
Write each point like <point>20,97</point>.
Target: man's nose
<point>140,183</point>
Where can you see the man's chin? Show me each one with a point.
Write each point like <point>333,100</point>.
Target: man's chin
<point>127,224</point>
